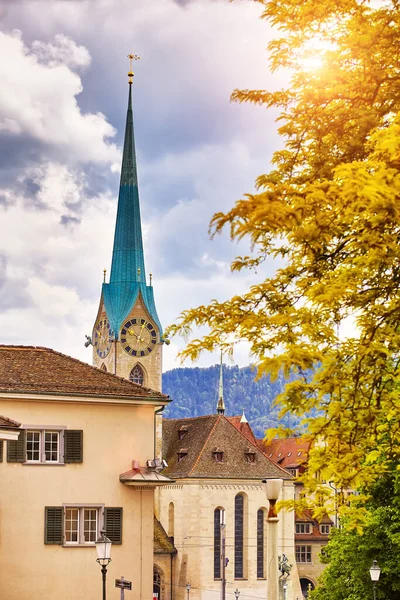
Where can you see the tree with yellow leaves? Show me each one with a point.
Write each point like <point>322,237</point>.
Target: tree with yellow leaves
<point>329,208</point>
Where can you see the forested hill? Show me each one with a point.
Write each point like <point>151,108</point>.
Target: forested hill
<point>194,392</point>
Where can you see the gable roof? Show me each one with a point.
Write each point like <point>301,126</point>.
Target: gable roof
<point>290,453</point>
<point>37,370</point>
<point>244,428</point>
<point>204,437</point>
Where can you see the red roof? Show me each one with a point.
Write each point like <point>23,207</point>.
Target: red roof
<point>6,423</point>
<point>244,429</point>
<point>288,453</point>
<point>37,370</point>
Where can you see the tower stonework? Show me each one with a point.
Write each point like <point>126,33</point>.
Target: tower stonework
<point>127,334</point>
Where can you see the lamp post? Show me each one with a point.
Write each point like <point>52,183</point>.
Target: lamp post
<point>188,586</point>
<point>103,547</point>
<point>272,488</point>
<point>237,594</point>
<point>375,572</point>
<point>284,587</point>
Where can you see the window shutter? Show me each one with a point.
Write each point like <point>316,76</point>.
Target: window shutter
<point>113,524</point>
<point>73,446</point>
<point>53,525</point>
<point>16,449</point>
<point>1,451</point>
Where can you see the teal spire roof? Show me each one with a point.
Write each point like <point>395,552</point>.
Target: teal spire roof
<point>221,403</point>
<point>128,275</point>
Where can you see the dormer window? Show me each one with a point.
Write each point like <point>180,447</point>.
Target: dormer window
<point>182,431</point>
<point>181,454</point>
<point>218,455</point>
<point>325,529</point>
<point>250,455</point>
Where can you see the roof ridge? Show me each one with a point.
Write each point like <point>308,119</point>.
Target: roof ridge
<point>255,446</point>
<point>190,418</point>
<point>205,443</point>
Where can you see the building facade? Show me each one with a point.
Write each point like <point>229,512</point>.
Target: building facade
<point>218,466</point>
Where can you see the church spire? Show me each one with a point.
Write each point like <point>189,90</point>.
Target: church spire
<point>128,257</point>
<point>221,403</point>
<point>128,274</point>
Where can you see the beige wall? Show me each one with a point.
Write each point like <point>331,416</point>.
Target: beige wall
<point>162,562</point>
<point>151,364</point>
<point>112,437</point>
<point>194,505</point>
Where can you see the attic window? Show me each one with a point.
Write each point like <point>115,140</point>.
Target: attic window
<point>289,454</point>
<point>250,455</point>
<point>181,454</point>
<point>218,455</point>
<point>299,454</point>
<point>182,431</point>
<point>280,454</point>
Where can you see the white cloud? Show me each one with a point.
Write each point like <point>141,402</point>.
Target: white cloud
<point>62,51</point>
<point>39,100</point>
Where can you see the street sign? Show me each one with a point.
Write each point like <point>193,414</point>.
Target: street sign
<point>124,585</point>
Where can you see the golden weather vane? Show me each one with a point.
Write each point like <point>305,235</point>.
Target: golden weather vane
<point>131,73</point>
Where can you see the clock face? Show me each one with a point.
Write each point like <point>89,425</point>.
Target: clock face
<point>138,337</point>
<point>102,334</point>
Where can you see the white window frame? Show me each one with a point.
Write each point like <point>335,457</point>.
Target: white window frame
<point>303,528</point>
<point>325,526</point>
<point>305,551</point>
<point>42,430</point>
<point>99,508</point>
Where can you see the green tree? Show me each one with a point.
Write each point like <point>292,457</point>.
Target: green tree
<point>349,555</point>
<point>329,207</point>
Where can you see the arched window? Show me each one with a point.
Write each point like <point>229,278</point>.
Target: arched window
<point>239,535</point>
<point>217,543</point>
<point>157,584</point>
<point>137,375</point>
<point>260,544</point>
<point>171,517</point>
<point>103,367</point>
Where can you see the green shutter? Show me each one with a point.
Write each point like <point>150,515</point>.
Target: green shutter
<point>16,449</point>
<point>73,446</point>
<point>1,451</point>
<point>53,524</point>
<point>113,524</point>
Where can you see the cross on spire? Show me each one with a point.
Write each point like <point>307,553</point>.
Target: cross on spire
<point>131,73</point>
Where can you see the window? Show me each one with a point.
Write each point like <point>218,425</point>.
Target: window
<point>303,528</point>
<point>260,544</point>
<point>81,525</point>
<point>250,456</point>
<point>181,454</point>
<point>38,445</point>
<point>103,367</point>
<point>157,584</point>
<point>303,554</point>
<point>182,432</point>
<point>292,472</point>
<point>137,375</point>
<point>171,519</point>
<point>325,529</point>
<point>239,534</point>
<point>217,543</point>
<point>42,446</point>
<point>219,456</point>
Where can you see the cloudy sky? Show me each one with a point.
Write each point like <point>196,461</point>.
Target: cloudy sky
<point>63,97</point>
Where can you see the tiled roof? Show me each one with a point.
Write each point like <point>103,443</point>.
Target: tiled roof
<point>6,423</point>
<point>36,370</point>
<point>162,543</point>
<point>203,436</point>
<point>244,428</point>
<point>290,453</point>
<point>315,535</point>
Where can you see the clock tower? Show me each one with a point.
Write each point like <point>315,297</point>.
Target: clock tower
<point>127,335</point>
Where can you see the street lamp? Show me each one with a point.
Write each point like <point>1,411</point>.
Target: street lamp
<point>188,586</point>
<point>375,572</point>
<point>237,594</point>
<point>103,548</point>
<point>284,586</point>
<point>272,488</point>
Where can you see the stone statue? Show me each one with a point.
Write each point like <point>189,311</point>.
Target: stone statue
<point>284,566</point>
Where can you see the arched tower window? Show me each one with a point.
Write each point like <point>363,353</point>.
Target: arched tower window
<point>217,543</point>
<point>239,536</point>
<point>103,367</point>
<point>171,519</point>
<point>260,543</point>
<point>137,375</point>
